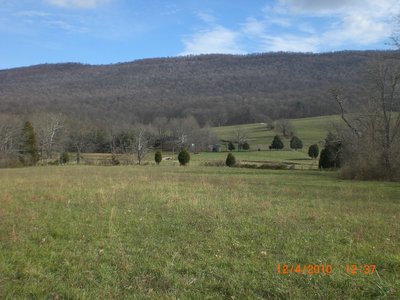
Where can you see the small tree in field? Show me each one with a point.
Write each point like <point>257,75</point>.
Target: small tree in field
<point>231,146</point>
<point>230,160</point>
<point>64,158</point>
<point>157,157</point>
<point>277,143</point>
<point>183,157</point>
<point>245,146</point>
<point>313,151</point>
<point>29,149</point>
<point>330,156</point>
<point>296,143</point>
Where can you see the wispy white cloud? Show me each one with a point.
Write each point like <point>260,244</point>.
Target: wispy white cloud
<point>214,40</point>
<point>77,3</point>
<point>206,17</point>
<point>317,6</point>
<point>67,26</point>
<point>253,27</point>
<point>32,13</point>
<point>286,26</point>
<point>352,22</point>
<point>289,43</point>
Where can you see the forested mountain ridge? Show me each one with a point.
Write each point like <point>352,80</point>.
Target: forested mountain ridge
<point>215,89</point>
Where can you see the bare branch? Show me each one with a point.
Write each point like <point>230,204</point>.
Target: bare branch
<point>339,100</point>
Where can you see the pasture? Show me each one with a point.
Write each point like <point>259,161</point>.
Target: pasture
<point>145,232</point>
<point>309,130</point>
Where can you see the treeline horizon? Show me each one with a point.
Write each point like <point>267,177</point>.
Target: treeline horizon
<point>49,136</point>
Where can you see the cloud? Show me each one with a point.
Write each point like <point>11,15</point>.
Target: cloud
<point>318,6</point>
<point>214,40</point>
<point>300,26</point>
<point>290,43</point>
<point>253,27</point>
<point>32,13</point>
<point>337,23</point>
<point>359,29</point>
<point>205,17</point>
<point>77,3</point>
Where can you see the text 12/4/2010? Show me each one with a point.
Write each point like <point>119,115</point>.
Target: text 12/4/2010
<point>324,269</point>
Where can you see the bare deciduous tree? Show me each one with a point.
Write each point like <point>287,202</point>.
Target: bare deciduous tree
<point>183,130</point>
<point>160,125</point>
<point>10,128</point>
<point>141,142</point>
<point>239,138</point>
<point>372,139</point>
<point>285,126</point>
<point>48,127</point>
<point>78,135</point>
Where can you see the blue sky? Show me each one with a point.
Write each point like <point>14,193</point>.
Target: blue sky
<point>110,31</point>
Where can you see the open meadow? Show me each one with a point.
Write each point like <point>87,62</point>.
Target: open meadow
<point>144,232</point>
<point>309,130</point>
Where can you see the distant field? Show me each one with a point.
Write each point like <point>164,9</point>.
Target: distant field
<point>146,232</point>
<point>309,130</point>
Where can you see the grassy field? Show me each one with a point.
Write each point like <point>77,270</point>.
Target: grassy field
<point>309,130</point>
<point>145,232</point>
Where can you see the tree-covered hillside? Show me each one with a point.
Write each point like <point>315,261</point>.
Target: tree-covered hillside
<point>215,89</point>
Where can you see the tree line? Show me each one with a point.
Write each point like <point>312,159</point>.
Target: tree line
<point>47,138</point>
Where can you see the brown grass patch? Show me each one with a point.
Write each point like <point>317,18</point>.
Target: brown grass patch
<point>6,198</point>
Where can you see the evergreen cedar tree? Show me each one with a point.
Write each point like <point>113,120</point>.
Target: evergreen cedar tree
<point>230,160</point>
<point>276,143</point>
<point>64,157</point>
<point>330,155</point>
<point>296,143</point>
<point>29,148</point>
<point>231,146</point>
<point>313,151</point>
<point>245,146</point>
<point>157,157</point>
<point>114,160</point>
<point>183,157</point>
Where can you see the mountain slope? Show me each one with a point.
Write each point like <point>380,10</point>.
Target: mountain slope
<point>219,89</point>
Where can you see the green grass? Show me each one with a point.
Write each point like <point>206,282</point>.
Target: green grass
<point>309,130</point>
<point>87,232</point>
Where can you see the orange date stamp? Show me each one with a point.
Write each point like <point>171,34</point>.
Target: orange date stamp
<point>324,269</point>
<point>355,269</point>
<point>311,269</point>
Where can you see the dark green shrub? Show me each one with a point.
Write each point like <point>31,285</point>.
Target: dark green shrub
<point>184,157</point>
<point>230,160</point>
<point>276,143</point>
<point>330,156</point>
<point>114,160</point>
<point>64,158</point>
<point>29,150</point>
<point>296,143</point>
<point>157,157</point>
<point>313,151</point>
<point>231,146</point>
<point>245,146</point>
